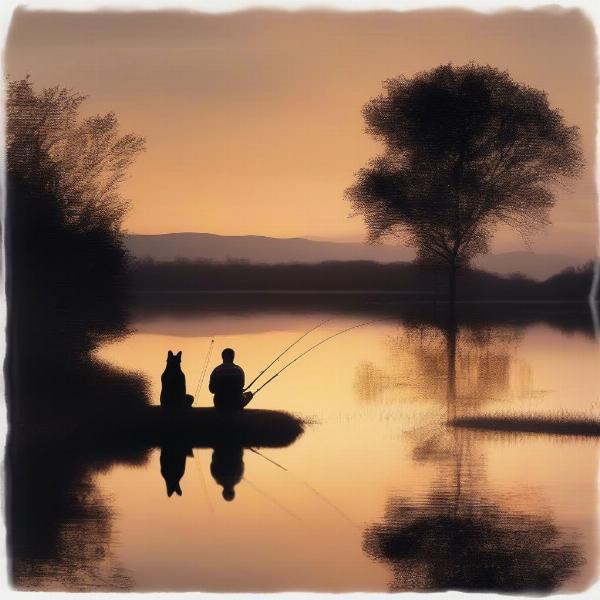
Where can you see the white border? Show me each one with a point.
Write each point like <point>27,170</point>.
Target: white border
<point>590,7</point>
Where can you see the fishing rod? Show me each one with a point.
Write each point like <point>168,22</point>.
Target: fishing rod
<point>204,367</point>
<point>204,486</point>
<point>288,348</point>
<point>312,348</point>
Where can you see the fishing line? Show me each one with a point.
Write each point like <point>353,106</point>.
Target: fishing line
<point>336,508</point>
<point>204,367</point>
<point>204,486</point>
<point>316,492</point>
<point>312,348</point>
<point>288,348</point>
<point>267,458</point>
<point>273,500</point>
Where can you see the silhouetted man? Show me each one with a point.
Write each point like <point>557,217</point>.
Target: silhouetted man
<point>227,383</point>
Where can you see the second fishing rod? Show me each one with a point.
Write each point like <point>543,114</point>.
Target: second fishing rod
<point>284,352</point>
<point>289,364</point>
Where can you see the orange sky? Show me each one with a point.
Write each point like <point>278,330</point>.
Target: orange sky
<point>253,121</point>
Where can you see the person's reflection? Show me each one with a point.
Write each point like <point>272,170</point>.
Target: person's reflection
<point>227,468</point>
<point>172,465</point>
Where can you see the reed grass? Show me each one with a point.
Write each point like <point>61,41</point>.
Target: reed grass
<point>560,423</point>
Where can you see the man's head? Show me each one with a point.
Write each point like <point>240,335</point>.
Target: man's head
<point>228,355</point>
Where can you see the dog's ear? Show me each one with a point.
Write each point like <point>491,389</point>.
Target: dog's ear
<point>179,354</point>
<point>170,355</point>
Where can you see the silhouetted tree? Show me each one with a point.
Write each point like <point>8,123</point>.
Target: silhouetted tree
<point>66,259</point>
<point>466,149</point>
<point>64,207</point>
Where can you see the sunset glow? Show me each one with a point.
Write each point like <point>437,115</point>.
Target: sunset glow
<point>253,119</point>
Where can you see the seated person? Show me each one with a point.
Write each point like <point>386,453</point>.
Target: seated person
<point>227,383</point>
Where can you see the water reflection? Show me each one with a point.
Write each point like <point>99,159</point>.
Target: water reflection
<point>453,542</point>
<point>173,457</point>
<point>230,313</point>
<point>227,468</point>
<point>465,367</point>
<point>59,524</point>
<point>451,519</point>
<point>60,398</point>
<point>455,538</point>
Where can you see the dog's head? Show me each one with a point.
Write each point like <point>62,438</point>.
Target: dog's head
<point>174,360</point>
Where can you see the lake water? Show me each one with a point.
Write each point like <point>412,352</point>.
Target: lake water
<point>378,493</point>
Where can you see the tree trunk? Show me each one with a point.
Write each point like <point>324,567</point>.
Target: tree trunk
<point>451,331</point>
<point>451,335</point>
<point>452,287</point>
<point>435,292</point>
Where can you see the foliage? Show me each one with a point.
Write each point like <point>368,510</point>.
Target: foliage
<point>65,210</point>
<point>466,149</point>
<point>358,276</point>
<point>81,162</point>
<point>66,259</point>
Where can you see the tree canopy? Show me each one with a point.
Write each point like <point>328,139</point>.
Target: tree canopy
<point>81,162</point>
<point>64,209</point>
<point>66,265</point>
<point>466,149</point>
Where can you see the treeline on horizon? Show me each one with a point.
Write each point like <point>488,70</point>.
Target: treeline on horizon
<point>184,275</point>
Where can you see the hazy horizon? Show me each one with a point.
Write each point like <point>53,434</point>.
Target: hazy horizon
<point>348,239</point>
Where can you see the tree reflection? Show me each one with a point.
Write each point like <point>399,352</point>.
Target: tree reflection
<point>60,399</point>
<point>59,526</point>
<point>467,544</point>
<point>456,538</point>
<point>464,366</point>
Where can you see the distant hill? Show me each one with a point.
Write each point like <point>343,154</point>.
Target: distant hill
<point>536,266</point>
<point>257,249</point>
<point>268,250</point>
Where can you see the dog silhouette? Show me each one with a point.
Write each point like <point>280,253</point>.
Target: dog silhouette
<point>172,394</point>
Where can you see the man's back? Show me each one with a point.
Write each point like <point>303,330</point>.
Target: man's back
<point>227,384</point>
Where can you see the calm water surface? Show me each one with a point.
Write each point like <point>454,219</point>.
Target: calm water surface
<point>378,493</point>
